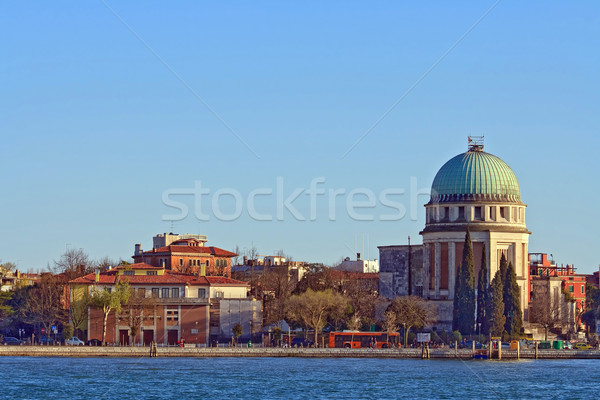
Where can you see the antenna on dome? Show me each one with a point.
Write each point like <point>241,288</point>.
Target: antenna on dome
<point>476,143</point>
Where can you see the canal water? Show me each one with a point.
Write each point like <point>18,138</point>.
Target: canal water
<point>294,378</point>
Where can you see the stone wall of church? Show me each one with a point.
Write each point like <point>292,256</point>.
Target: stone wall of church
<point>394,270</point>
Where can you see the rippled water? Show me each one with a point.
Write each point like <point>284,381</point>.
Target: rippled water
<point>294,378</point>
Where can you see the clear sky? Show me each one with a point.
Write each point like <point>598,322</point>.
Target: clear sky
<point>108,109</point>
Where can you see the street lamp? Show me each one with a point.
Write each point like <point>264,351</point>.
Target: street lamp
<point>479,326</point>
<point>405,334</point>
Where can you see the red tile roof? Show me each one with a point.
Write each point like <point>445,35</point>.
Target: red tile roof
<point>215,251</point>
<point>169,278</point>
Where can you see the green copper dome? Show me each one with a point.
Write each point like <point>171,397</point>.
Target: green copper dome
<point>475,176</point>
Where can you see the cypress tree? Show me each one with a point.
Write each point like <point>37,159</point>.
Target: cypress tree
<point>503,268</point>
<point>512,303</point>
<point>457,296</point>
<point>464,291</point>
<point>495,315</point>
<point>482,293</point>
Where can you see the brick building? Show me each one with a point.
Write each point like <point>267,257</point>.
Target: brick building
<point>186,253</point>
<point>176,306</point>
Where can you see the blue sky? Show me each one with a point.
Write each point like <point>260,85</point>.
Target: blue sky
<point>95,128</point>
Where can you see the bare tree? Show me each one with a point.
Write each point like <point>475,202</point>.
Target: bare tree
<point>138,308</point>
<point>105,263</point>
<point>312,309</point>
<point>390,323</point>
<point>277,288</point>
<point>235,260</point>
<point>362,292</point>
<point>43,304</point>
<point>73,263</point>
<point>317,278</point>
<point>411,312</point>
<point>546,313</point>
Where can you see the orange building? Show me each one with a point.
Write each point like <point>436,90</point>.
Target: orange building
<point>572,283</point>
<point>186,253</point>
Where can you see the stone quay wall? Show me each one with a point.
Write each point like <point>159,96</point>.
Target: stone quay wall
<point>85,351</point>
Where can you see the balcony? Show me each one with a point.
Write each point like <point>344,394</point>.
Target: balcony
<point>181,301</point>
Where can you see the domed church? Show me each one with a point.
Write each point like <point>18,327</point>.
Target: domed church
<point>474,189</point>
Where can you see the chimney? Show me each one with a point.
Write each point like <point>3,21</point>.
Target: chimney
<point>97,278</point>
<point>357,256</point>
<point>138,249</point>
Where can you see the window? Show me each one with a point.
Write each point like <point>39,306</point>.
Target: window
<point>201,293</point>
<point>165,293</point>
<point>219,294</point>
<point>155,292</point>
<point>582,289</point>
<point>172,315</point>
<point>478,215</point>
<point>175,293</point>
<point>461,212</point>
<point>419,291</point>
<point>109,290</point>
<point>207,263</point>
<point>129,273</point>
<point>150,272</point>
<point>570,288</point>
<point>521,214</point>
<point>181,262</point>
<point>504,212</point>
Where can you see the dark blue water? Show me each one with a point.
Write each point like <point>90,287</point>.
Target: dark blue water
<point>294,378</point>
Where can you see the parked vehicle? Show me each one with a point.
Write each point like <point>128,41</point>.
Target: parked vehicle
<point>302,342</point>
<point>355,340</point>
<point>48,341</point>
<point>582,346</point>
<point>12,341</point>
<point>74,341</point>
<point>468,344</point>
<point>94,342</point>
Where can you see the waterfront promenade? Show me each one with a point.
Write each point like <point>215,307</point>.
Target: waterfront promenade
<point>85,351</point>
